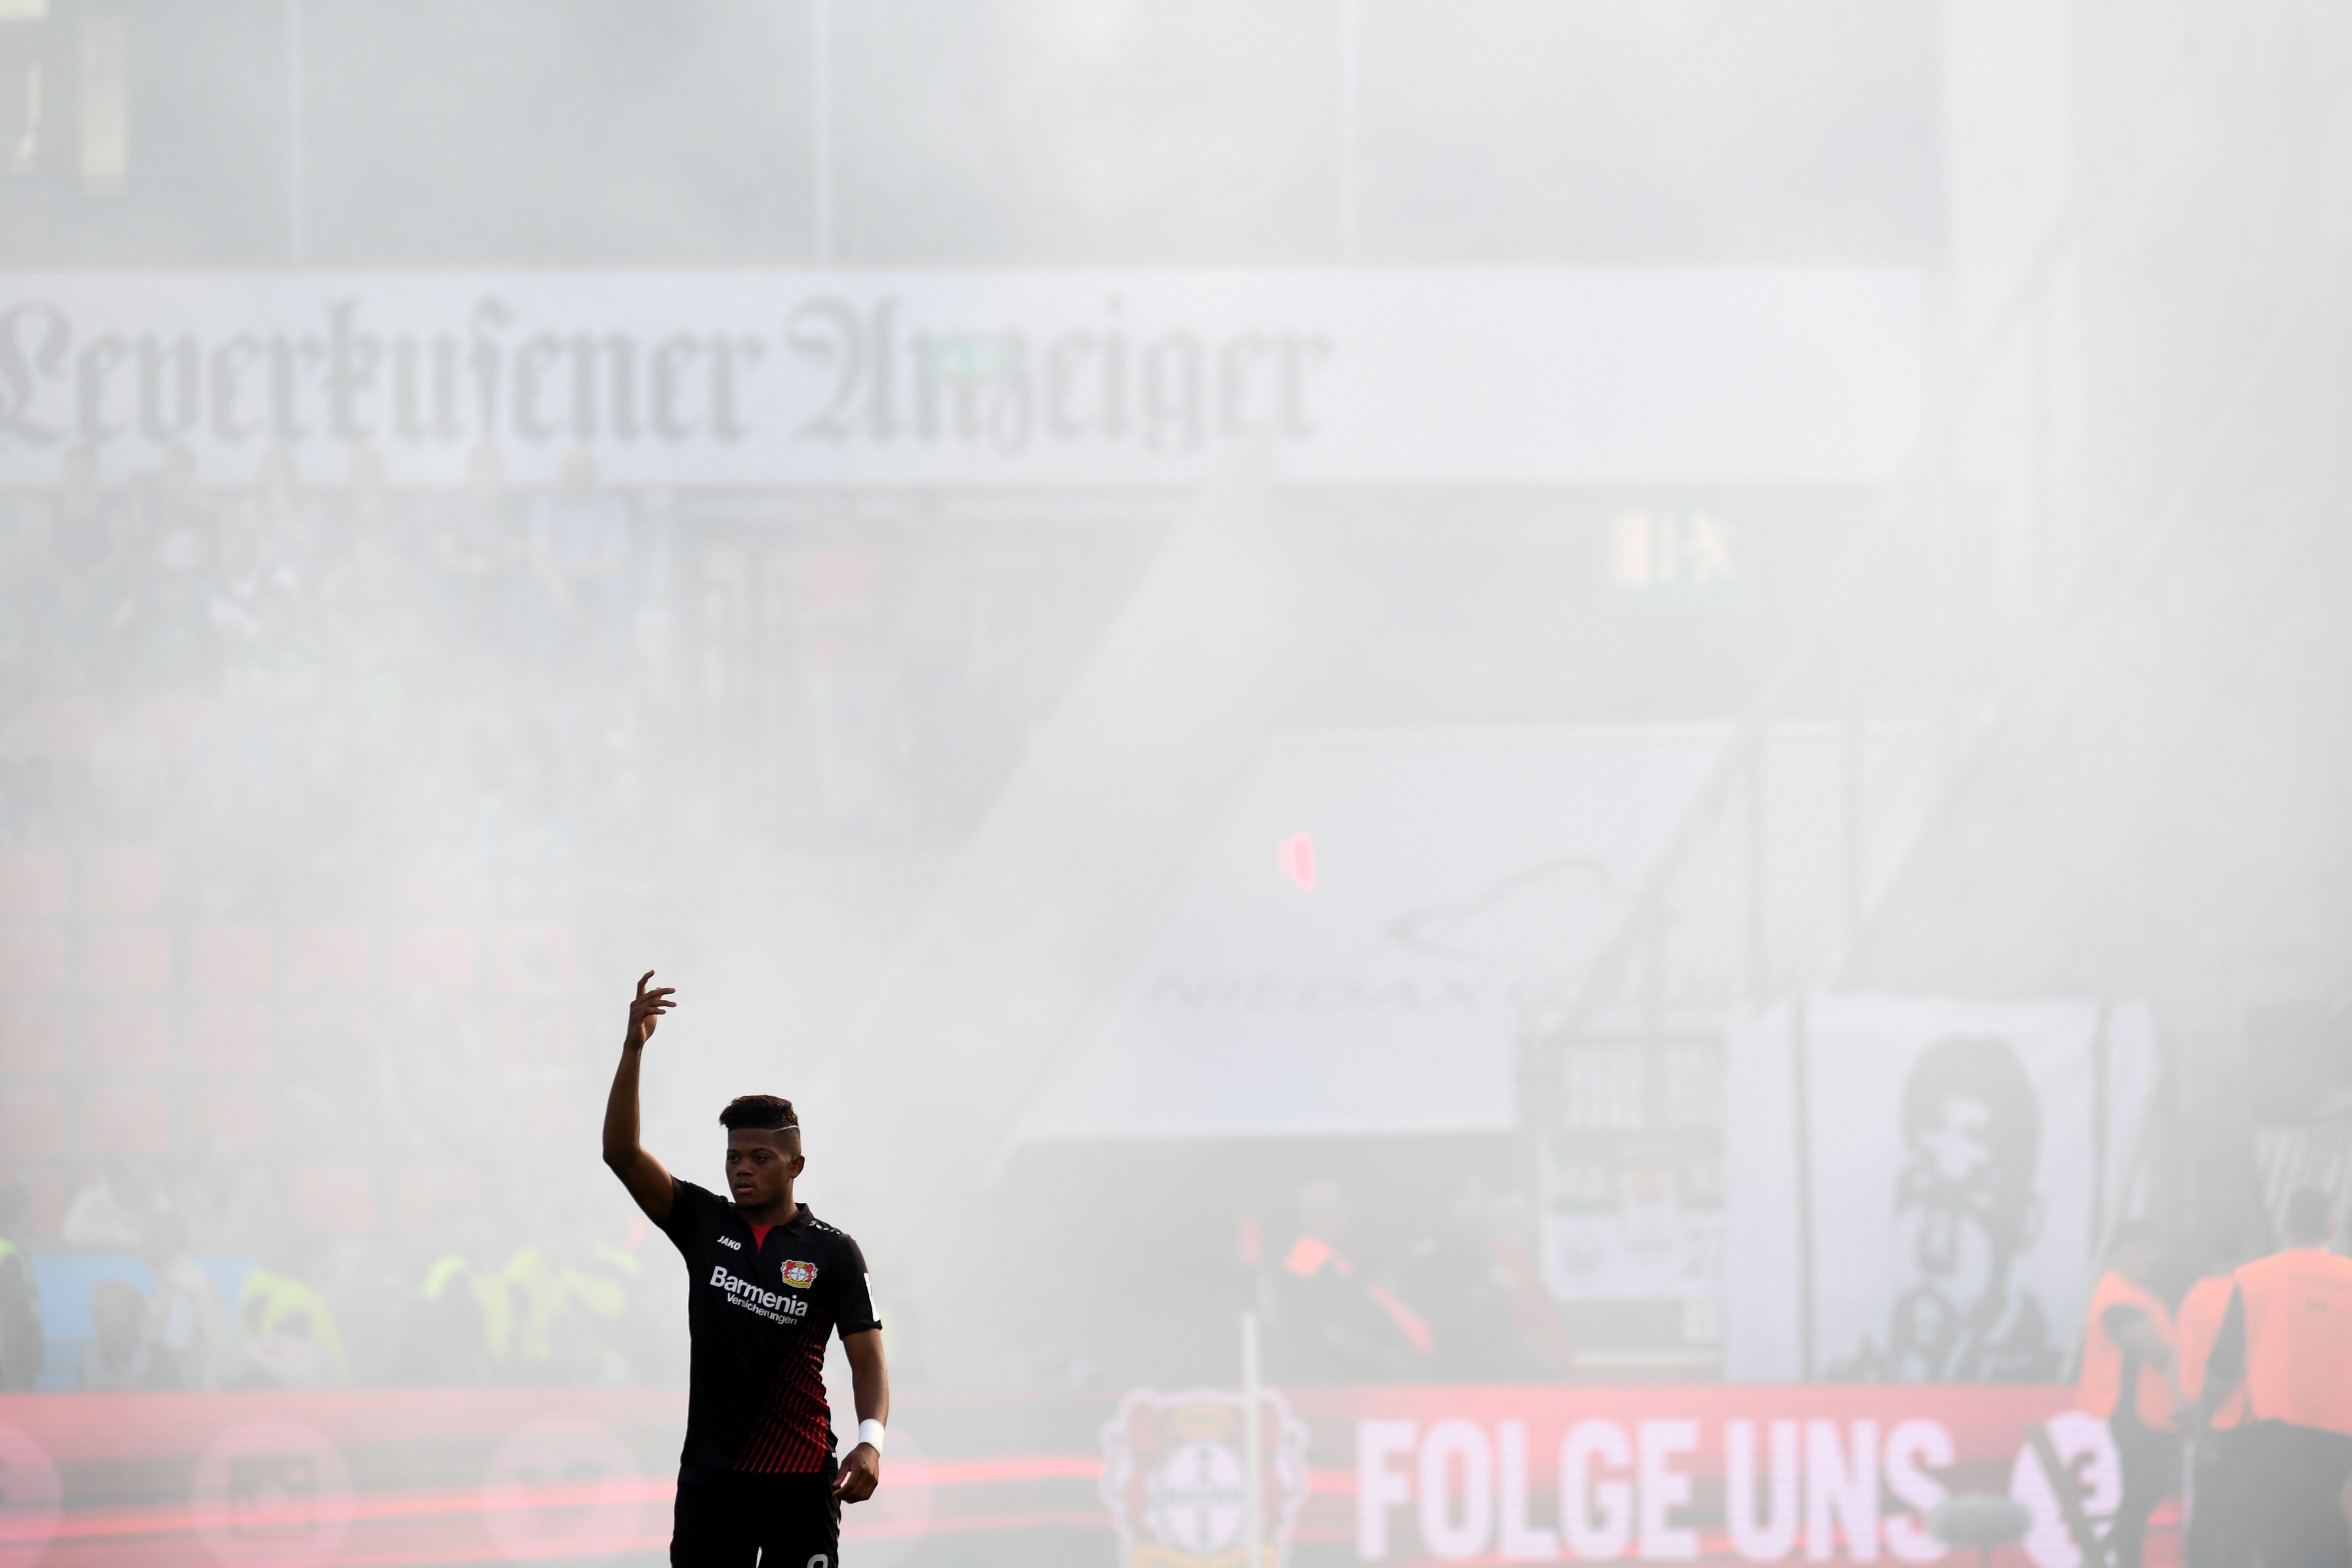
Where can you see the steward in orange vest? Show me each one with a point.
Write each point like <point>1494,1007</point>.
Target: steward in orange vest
<point>2286,1340</point>
<point>2195,1329</point>
<point>1330,1324</point>
<point>2128,1381</point>
<point>2215,1534</point>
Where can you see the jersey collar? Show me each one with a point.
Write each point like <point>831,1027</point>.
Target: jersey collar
<point>792,1226</point>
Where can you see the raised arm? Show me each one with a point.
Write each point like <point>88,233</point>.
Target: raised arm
<point>869,1382</point>
<point>639,1171</point>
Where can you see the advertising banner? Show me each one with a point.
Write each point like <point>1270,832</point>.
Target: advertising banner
<point>1146,1478</point>
<point>1702,1473</point>
<point>1917,1190</point>
<point>729,377</point>
<point>1357,951</point>
<point>1629,1177</point>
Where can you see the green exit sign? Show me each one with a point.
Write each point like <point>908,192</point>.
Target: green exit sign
<point>1671,550</point>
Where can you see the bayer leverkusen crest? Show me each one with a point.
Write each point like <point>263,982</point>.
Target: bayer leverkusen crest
<point>1173,1477</point>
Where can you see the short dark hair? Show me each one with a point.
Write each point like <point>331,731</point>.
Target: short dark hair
<point>2310,1215</point>
<point>763,1113</point>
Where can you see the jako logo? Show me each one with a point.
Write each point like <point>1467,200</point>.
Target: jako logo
<point>730,1242</point>
<point>792,1306</point>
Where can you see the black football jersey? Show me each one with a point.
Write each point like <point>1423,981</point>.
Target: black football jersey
<point>760,1311</point>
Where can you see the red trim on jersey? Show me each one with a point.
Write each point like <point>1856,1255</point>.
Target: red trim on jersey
<point>760,1235</point>
<point>797,1433</point>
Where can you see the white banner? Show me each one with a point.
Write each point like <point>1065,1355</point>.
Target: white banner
<point>973,377</point>
<point>1358,951</point>
<point>1931,1177</point>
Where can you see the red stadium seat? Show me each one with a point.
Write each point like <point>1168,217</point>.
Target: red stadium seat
<point>117,1115</point>
<point>324,1022</point>
<point>233,1115</point>
<point>32,1121</point>
<point>44,1186</point>
<point>433,958</point>
<point>339,1199</point>
<point>32,1038</point>
<point>128,958</point>
<point>125,1038</point>
<point>227,1035</point>
<point>35,884</point>
<point>32,958</point>
<point>229,960</point>
<point>340,956</point>
<point>123,881</point>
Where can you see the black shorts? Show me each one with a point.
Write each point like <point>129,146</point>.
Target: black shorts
<point>729,1519</point>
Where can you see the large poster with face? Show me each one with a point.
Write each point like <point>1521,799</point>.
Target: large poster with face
<point>1918,1189</point>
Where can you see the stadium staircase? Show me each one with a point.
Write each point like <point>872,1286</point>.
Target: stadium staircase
<point>2058,725</point>
<point>1957,778</point>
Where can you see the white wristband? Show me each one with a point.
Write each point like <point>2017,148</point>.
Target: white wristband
<point>870,1432</point>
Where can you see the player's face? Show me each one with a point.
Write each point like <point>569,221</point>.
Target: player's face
<point>758,1168</point>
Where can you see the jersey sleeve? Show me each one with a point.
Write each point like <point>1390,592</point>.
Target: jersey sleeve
<point>853,1308</point>
<point>689,1208</point>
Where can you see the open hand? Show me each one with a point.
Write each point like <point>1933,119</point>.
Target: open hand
<point>645,1013</point>
<point>860,1473</point>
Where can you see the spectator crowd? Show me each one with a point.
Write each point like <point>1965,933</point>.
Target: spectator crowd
<point>295,782</point>
<point>164,585</point>
<point>461,1308</point>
